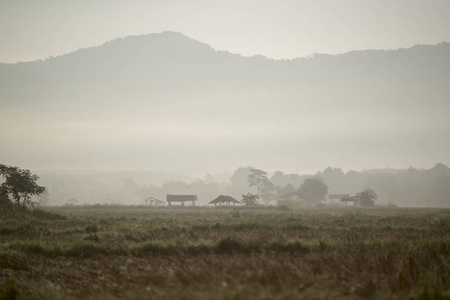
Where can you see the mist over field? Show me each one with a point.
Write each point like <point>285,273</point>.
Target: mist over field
<point>224,149</point>
<point>408,187</point>
<point>179,111</point>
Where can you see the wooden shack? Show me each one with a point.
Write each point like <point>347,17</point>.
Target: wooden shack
<point>224,200</point>
<point>181,199</point>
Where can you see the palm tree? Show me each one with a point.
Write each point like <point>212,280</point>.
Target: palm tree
<point>249,199</point>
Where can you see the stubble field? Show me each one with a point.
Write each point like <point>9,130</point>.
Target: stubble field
<point>225,253</point>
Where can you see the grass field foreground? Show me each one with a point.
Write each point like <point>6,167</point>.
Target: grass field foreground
<point>218,253</point>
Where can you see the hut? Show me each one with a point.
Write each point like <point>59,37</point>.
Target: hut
<point>224,199</point>
<point>154,202</point>
<point>181,198</point>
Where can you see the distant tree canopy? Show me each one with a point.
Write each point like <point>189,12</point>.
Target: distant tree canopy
<point>313,189</point>
<point>405,187</point>
<point>18,186</point>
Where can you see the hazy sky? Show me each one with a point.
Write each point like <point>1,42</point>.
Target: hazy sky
<point>31,30</point>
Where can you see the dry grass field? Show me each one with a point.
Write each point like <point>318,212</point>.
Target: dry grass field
<point>224,253</point>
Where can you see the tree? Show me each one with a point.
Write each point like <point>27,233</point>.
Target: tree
<point>249,199</point>
<point>367,197</point>
<point>19,185</point>
<point>263,185</point>
<point>313,189</point>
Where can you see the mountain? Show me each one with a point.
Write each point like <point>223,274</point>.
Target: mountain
<point>172,61</point>
<point>168,96</point>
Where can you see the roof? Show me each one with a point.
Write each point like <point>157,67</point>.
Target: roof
<point>223,199</point>
<point>181,198</point>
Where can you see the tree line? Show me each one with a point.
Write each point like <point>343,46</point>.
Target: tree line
<point>410,187</point>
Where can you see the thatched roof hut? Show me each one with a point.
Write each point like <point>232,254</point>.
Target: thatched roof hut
<point>224,199</point>
<point>181,198</point>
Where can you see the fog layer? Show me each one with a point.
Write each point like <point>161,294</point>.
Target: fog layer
<point>165,101</point>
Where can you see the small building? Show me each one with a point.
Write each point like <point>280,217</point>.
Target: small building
<point>150,201</point>
<point>223,200</point>
<point>181,199</point>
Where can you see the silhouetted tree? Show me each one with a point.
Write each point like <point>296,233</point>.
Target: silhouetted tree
<point>263,185</point>
<point>313,189</point>
<point>367,197</point>
<point>249,199</point>
<point>19,186</point>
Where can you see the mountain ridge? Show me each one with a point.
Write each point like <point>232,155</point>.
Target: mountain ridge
<point>178,35</point>
<point>168,62</point>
